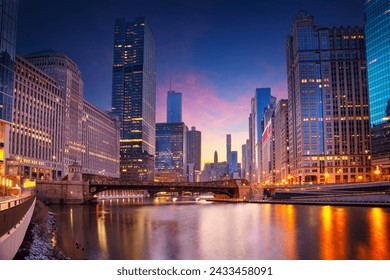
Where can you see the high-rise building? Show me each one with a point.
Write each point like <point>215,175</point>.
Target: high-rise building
<point>37,128</point>
<point>68,77</point>
<point>281,143</point>
<point>229,153</point>
<point>267,158</point>
<point>234,165</point>
<point>8,16</point>
<point>258,105</point>
<point>174,107</point>
<point>134,96</point>
<point>194,148</point>
<point>329,133</point>
<point>42,102</point>
<point>171,154</point>
<point>377,32</point>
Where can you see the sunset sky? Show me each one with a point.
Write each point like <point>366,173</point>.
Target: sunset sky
<point>217,51</point>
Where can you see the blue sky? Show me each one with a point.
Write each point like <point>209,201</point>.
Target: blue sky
<point>217,51</point>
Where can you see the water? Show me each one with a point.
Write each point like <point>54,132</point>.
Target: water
<point>136,229</point>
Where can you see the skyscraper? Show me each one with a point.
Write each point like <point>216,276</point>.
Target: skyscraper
<point>377,31</point>
<point>229,153</point>
<point>174,107</point>
<point>134,96</point>
<point>282,169</point>
<point>259,104</point>
<point>329,134</point>
<point>234,166</point>
<point>194,148</point>
<point>171,151</point>
<point>8,16</point>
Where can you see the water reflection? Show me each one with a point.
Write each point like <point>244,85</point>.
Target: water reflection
<point>137,229</point>
<point>378,227</point>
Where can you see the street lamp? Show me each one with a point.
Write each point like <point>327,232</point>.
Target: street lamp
<point>327,175</point>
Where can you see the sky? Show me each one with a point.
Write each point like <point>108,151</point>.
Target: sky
<point>216,51</point>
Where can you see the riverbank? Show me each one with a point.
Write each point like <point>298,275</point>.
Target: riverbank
<point>39,242</point>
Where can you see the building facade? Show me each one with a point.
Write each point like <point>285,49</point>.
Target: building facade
<point>258,105</point>
<point>174,107</point>
<point>194,150</point>
<point>329,133</point>
<point>377,32</point>
<point>54,127</point>
<point>100,139</point>
<point>8,24</point>
<point>229,153</point>
<point>68,78</point>
<point>267,159</point>
<point>171,152</point>
<point>38,117</point>
<point>134,97</point>
<point>282,168</point>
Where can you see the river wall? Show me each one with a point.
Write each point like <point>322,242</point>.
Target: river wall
<point>15,221</point>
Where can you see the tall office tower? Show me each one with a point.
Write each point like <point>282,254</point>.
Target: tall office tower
<point>244,156</point>
<point>68,77</point>
<point>194,148</point>
<point>8,15</point>
<point>215,158</point>
<point>37,128</point>
<point>377,31</point>
<point>171,145</point>
<point>258,105</point>
<point>229,153</point>
<point>174,107</point>
<point>267,155</point>
<point>134,96</point>
<point>234,166</point>
<point>328,103</point>
<point>281,143</point>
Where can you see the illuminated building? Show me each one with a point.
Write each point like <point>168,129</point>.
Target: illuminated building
<point>329,129</point>
<point>37,129</point>
<point>174,107</point>
<point>134,97</point>
<point>47,89</point>
<point>171,154</point>
<point>8,16</point>
<point>229,153</point>
<point>267,155</point>
<point>100,137</point>
<point>258,105</point>
<point>281,142</point>
<point>377,31</point>
<point>68,78</point>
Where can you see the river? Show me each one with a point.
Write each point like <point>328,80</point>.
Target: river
<point>137,229</point>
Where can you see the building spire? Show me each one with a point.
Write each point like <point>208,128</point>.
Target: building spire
<point>170,82</point>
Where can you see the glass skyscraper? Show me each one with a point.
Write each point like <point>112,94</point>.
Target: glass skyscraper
<point>174,107</point>
<point>171,151</point>
<point>329,130</point>
<point>377,31</point>
<point>8,19</point>
<point>134,96</point>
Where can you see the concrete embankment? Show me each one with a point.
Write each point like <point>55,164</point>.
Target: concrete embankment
<point>39,242</point>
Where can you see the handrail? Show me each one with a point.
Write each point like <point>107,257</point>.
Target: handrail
<point>12,202</point>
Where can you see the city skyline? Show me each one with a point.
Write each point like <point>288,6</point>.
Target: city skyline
<point>216,71</point>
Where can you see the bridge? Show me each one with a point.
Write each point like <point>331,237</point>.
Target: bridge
<point>235,188</point>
